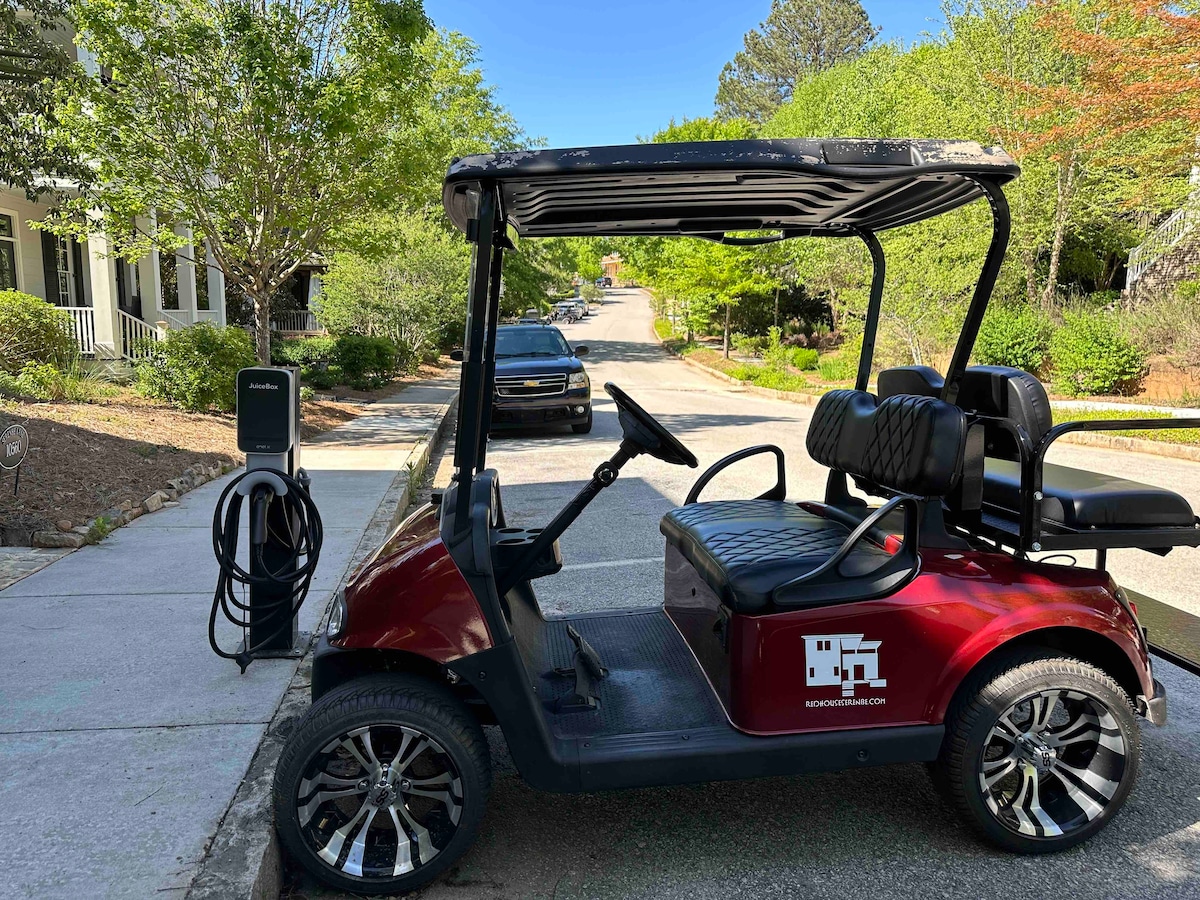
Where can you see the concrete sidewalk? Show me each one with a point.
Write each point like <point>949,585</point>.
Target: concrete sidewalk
<point>123,738</point>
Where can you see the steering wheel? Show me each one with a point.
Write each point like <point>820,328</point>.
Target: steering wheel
<point>642,429</point>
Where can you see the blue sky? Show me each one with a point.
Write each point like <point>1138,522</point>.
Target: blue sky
<point>585,73</point>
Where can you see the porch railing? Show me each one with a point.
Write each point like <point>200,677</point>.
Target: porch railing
<point>298,320</point>
<point>174,319</point>
<point>83,324</point>
<point>135,335</point>
<point>1178,226</point>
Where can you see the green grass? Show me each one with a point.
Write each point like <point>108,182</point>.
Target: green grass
<point>1165,435</point>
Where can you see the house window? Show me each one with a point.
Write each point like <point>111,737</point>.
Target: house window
<point>64,272</point>
<point>8,253</point>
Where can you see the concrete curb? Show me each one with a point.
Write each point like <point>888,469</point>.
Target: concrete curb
<point>1090,439</point>
<point>243,860</point>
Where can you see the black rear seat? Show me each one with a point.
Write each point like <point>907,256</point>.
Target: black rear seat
<point>1074,498</point>
<point>746,549</point>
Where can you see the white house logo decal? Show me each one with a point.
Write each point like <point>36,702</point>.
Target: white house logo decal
<point>844,660</point>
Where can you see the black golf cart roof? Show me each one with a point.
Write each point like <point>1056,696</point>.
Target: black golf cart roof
<point>840,187</point>
<point>828,187</point>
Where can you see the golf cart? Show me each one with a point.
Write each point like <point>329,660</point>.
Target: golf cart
<point>794,637</point>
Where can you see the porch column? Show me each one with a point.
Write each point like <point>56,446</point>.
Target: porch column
<point>216,286</point>
<point>185,275</point>
<point>102,277</point>
<point>149,279</point>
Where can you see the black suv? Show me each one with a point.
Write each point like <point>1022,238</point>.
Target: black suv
<point>540,380</point>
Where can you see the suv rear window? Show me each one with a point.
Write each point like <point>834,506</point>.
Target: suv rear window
<point>512,342</point>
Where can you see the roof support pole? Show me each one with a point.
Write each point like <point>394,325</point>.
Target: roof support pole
<point>489,354</point>
<point>1001,228</point>
<point>470,395</point>
<point>871,326</point>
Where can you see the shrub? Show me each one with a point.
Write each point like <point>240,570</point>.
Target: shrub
<point>1017,336</point>
<point>1168,324</point>
<point>42,381</point>
<point>1090,356</point>
<point>307,353</point>
<point>747,345</point>
<point>323,379</point>
<point>307,393</point>
<point>196,368</point>
<point>837,368</point>
<point>33,331</point>
<point>803,358</point>
<point>366,362</point>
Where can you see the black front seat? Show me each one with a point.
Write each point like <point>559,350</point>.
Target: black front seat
<point>745,550</point>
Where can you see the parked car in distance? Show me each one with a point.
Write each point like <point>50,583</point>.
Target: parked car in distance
<point>540,380</point>
<point>533,317</point>
<point>566,310</point>
<point>607,281</point>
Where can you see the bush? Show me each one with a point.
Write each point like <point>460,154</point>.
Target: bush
<point>803,358</point>
<point>323,379</point>
<point>746,345</point>
<point>1017,336</point>
<point>196,368</point>
<point>307,353</point>
<point>366,362</point>
<point>1168,324</point>
<point>34,331</point>
<point>1090,356</point>
<point>42,381</point>
<point>837,368</point>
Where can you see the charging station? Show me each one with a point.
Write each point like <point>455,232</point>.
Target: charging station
<point>285,534</point>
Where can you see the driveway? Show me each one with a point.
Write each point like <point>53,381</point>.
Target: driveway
<point>868,833</point>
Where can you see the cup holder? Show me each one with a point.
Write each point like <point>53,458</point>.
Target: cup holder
<point>512,541</point>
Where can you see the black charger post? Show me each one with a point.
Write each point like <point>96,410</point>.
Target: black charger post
<point>285,532</point>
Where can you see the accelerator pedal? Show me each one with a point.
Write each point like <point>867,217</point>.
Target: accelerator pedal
<point>587,671</point>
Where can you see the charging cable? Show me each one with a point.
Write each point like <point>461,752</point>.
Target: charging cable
<point>264,487</point>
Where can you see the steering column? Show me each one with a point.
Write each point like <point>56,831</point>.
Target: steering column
<point>641,433</point>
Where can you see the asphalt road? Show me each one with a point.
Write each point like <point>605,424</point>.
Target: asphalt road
<point>868,833</point>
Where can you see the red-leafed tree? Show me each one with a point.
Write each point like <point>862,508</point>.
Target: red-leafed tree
<point>1138,94</point>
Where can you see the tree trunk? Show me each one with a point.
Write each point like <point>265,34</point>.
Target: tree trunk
<point>725,343</point>
<point>1029,262</point>
<point>1062,215</point>
<point>777,306</point>
<point>262,327</point>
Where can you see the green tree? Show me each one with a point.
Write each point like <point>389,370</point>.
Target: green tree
<point>799,38</point>
<point>263,125</point>
<point>35,69</point>
<point>415,295</point>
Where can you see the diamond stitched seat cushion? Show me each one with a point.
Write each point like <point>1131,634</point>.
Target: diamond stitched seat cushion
<point>745,549</point>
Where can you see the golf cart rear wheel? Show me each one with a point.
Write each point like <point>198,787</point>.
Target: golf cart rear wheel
<point>383,785</point>
<point>1040,753</point>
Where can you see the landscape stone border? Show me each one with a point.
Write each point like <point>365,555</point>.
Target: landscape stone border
<point>1087,438</point>
<point>242,860</point>
<point>69,536</point>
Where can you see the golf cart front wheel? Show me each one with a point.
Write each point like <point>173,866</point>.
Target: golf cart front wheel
<point>1040,753</point>
<point>382,786</point>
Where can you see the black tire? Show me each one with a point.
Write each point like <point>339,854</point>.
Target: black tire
<point>583,427</point>
<point>392,709</point>
<point>1032,798</point>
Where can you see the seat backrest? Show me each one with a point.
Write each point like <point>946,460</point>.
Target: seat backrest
<point>999,391</point>
<point>905,443</point>
<point>1006,393</point>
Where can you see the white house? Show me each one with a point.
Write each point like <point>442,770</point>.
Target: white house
<point>114,303</point>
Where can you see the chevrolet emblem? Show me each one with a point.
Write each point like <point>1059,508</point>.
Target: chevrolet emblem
<point>532,383</point>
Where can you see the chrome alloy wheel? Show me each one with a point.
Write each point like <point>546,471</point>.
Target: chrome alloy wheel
<point>379,801</point>
<point>1052,763</point>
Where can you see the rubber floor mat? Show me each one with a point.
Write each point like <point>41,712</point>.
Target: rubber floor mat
<point>653,682</point>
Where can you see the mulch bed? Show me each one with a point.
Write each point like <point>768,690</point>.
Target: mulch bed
<point>87,457</point>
